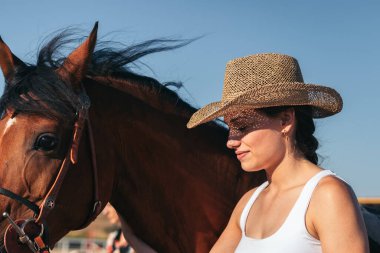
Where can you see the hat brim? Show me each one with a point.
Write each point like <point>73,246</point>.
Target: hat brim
<point>325,101</point>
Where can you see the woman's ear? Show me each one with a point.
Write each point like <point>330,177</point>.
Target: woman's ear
<point>288,120</point>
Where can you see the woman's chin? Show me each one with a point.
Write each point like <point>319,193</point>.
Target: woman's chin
<point>250,167</point>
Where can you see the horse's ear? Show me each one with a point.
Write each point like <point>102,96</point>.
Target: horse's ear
<point>8,61</point>
<point>74,68</point>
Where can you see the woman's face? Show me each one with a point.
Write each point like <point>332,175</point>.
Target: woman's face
<point>256,138</point>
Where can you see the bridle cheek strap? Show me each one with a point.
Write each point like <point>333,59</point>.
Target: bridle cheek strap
<point>78,130</point>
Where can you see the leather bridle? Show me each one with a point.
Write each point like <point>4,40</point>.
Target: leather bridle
<point>33,232</point>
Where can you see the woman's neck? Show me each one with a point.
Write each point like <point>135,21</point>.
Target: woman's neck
<point>290,172</point>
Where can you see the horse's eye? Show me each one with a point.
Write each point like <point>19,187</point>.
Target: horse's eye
<point>46,142</point>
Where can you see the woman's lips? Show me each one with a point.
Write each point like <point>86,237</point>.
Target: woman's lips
<point>240,155</point>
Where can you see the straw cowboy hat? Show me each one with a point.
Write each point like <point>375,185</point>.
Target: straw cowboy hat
<point>267,80</point>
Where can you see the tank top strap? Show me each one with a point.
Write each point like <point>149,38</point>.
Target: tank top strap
<point>302,203</point>
<point>247,208</point>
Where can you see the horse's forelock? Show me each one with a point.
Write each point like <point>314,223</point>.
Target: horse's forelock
<point>38,90</point>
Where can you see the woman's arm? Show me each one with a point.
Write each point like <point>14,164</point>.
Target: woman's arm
<point>336,218</point>
<point>231,235</point>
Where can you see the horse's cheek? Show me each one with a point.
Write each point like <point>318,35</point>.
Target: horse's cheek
<point>39,175</point>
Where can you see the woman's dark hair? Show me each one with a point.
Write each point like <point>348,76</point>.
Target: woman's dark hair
<point>304,138</point>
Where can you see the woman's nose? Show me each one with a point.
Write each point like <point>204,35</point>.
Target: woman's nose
<point>233,143</point>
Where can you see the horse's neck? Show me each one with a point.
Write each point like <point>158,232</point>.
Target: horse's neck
<point>164,175</point>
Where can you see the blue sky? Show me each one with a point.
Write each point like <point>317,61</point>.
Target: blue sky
<point>336,42</point>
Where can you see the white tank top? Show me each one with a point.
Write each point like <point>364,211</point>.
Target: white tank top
<point>292,236</point>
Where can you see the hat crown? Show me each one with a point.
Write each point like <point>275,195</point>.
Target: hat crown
<point>257,71</point>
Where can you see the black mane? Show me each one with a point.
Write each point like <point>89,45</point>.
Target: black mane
<point>37,89</point>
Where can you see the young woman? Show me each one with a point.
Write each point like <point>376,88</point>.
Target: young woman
<point>302,208</point>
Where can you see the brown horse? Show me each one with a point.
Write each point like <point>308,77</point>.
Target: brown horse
<point>174,188</point>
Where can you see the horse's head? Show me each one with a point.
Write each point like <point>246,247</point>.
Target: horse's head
<point>43,113</point>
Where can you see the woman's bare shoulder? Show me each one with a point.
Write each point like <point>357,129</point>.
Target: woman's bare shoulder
<point>333,200</point>
<point>336,217</point>
<point>332,188</point>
